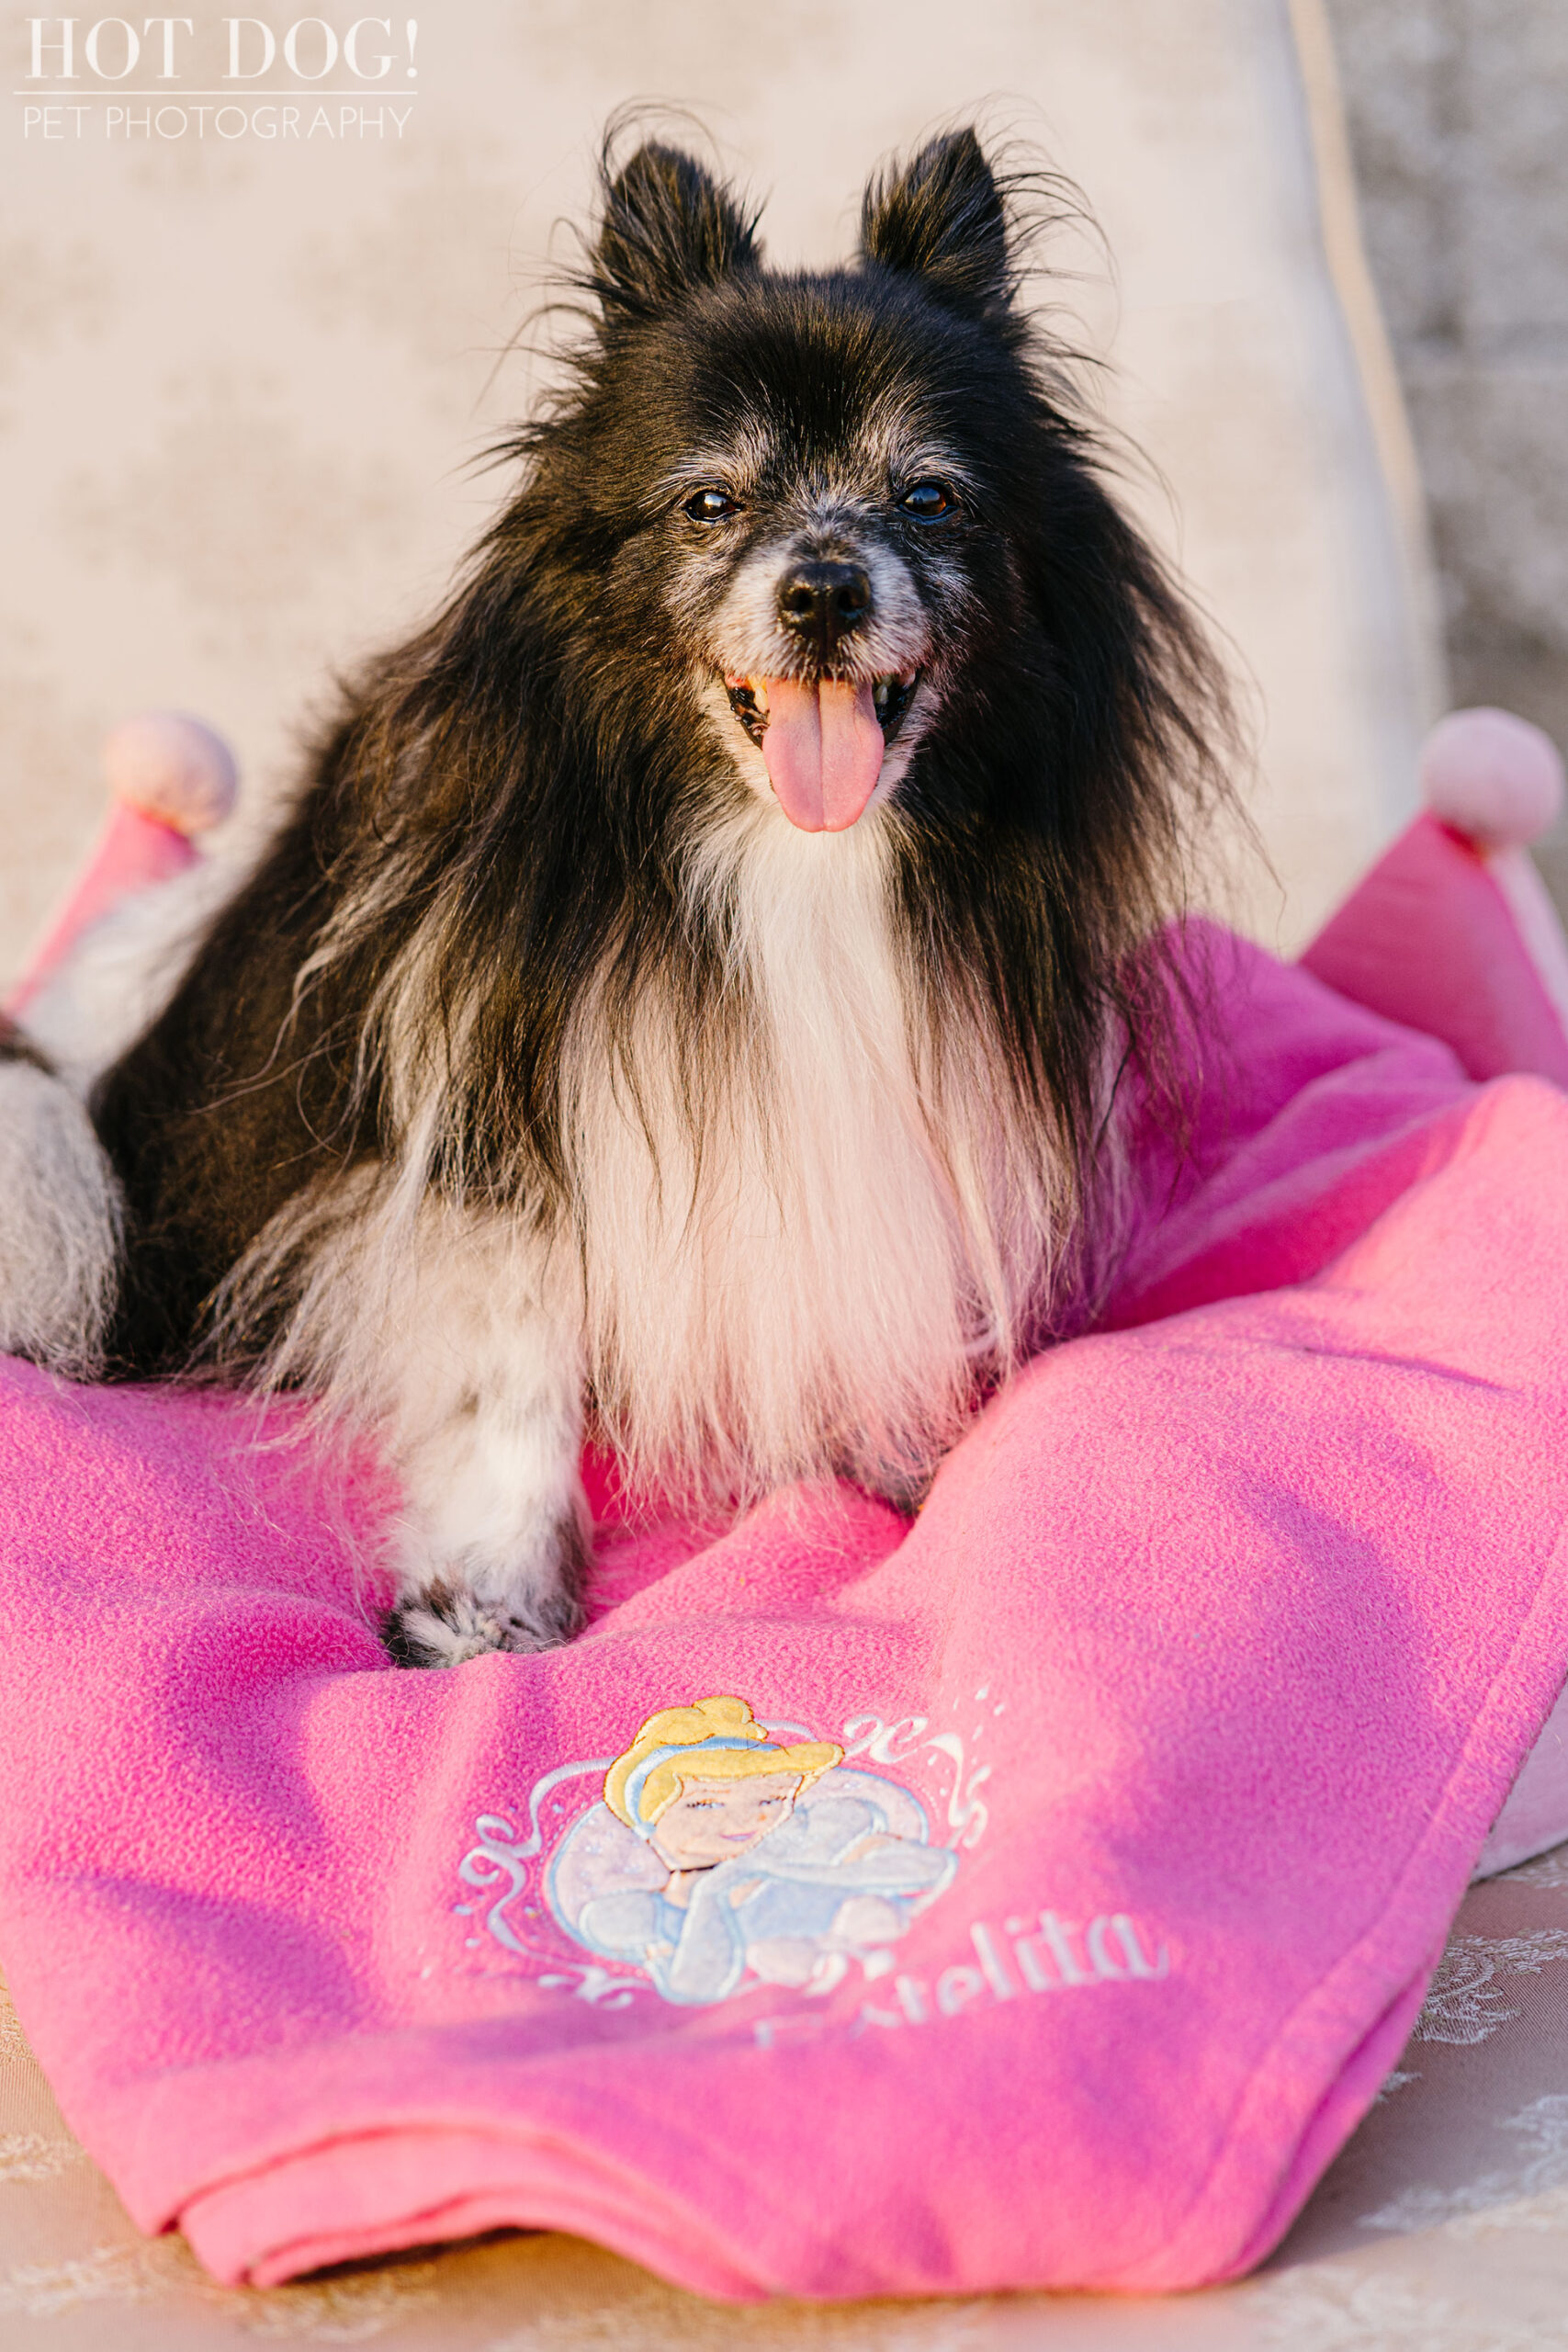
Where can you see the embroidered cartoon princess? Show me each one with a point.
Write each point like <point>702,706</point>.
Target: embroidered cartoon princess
<point>720,1853</point>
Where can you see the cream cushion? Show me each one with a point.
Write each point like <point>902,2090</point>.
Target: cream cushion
<point>246,379</point>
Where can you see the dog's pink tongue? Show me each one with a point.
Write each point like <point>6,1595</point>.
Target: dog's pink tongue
<point>823,746</point>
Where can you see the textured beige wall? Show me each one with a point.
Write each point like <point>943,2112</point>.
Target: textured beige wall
<point>1459,118</point>
<point>242,381</point>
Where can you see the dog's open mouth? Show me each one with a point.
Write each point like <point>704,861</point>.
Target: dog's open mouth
<point>823,740</point>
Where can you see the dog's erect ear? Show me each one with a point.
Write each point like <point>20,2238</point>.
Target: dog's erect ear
<point>940,217</point>
<point>668,226</point>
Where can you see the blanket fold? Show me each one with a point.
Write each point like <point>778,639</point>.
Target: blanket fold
<point>1031,1895</point>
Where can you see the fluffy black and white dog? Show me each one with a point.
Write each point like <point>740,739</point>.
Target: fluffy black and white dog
<point>692,987</point>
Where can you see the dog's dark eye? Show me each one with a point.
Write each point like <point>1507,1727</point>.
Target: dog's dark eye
<point>711,505</point>
<point>928,501</point>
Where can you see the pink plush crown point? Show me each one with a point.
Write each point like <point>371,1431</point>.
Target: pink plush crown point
<point>1493,777</point>
<point>171,767</point>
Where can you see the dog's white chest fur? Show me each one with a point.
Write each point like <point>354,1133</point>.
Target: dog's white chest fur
<point>803,1275</point>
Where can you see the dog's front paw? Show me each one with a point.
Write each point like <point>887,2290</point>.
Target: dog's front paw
<point>443,1624</point>
<point>450,1616</point>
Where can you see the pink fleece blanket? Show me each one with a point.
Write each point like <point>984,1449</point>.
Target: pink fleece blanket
<point>1034,1896</point>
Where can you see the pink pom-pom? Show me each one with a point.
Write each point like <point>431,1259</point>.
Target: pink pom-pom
<point>1492,776</point>
<point>173,768</point>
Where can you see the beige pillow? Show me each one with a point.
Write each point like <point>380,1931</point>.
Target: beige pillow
<point>245,377</point>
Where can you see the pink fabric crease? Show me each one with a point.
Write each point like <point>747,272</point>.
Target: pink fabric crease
<point>1171,1729</point>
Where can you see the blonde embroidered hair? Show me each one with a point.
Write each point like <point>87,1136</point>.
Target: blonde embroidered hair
<point>724,1742</point>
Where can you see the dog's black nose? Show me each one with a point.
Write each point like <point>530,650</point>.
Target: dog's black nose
<point>823,602</point>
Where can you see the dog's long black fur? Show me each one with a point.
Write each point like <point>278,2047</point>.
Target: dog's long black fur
<point>531,760</point>
<point>504,928</point>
